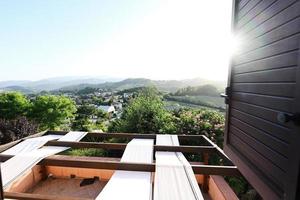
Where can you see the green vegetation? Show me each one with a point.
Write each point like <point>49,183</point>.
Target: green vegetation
<point>86,90</point>
<point>145,114</point>
<point>14,129</point>
<point>82,120</point>
<point>52,111</point>
<point>206,90</point>
<point>132,90</point>
<point>162,85</point>
<point>204,101</point>
<point>86,152</point>
<point>17,112</point>
<point>13,105</point>
<point>205,96</point>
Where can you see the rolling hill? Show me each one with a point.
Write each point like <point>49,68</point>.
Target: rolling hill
<point>78,83</point>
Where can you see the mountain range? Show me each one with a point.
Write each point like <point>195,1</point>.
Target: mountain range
<point>77,83</point>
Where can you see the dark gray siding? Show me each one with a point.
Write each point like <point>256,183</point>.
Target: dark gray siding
<point>264,82</point>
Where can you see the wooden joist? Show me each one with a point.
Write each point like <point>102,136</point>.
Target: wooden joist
<point>74,161</point>
<point>135,135</point>
<point>122,146</point>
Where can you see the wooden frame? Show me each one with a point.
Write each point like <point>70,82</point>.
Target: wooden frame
<point>79,162</point>
<point>75,161</point>
<point>185,149</point>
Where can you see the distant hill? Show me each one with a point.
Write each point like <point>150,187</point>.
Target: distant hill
<point>4,84</point>
<point>162,85</point>
<point>206,90</point>
<point>16,89</point>
<point>54,83</point>
<point>78,83</point>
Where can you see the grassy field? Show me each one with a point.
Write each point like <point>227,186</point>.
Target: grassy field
<point>174,102</point>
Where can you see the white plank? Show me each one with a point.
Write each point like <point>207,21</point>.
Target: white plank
<point>174,177</point>
<point>30,144</point>
<point>13,168</point>
<point>130,184</point>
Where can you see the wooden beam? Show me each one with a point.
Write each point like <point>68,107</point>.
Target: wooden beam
<point>133,135</point>
<point>144,136</point>
<point>205,177</point>
<point>122,146</point>
<point>85,162</point>
<point>97,145</point>
<point>219,151</point>
<point>28,196</point>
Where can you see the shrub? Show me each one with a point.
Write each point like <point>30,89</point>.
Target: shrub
<point>11,130</point>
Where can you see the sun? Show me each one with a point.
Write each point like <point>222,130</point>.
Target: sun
<point>235,45</point>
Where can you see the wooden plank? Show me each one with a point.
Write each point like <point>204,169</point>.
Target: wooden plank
<point>28,196</point>
<point>264,4</point>
<point>220,152</point>
<point>267,14</point>
<point>242,3</point>
<point>282,46</point>
<point>267,76</point>
<point>272,89</point>
<point>223,187</point>
<point>258,111</point>
<point>277,103</point>
<point>277,21</point>
<point>10,144</point>
<point>267,139</point>
<point>282,32</point>
<point>292,190</point>
<point>275,130</point>
<point>247,8</point>
<point>272,172</point>
<point>280,61</point>
<point>274,157</point>
<point>122,146</point>
<point>51,132</point>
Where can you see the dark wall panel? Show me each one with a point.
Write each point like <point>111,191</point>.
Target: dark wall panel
<point>264,82</point>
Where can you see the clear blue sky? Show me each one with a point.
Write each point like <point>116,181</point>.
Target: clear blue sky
<point>159,39</point>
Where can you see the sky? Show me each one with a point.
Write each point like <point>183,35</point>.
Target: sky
<point>156,39</point>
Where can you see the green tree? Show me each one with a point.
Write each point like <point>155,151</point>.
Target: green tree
<point>85,111</point>
<point>82,120</point>
<point>13,105</point>
<point>144,114</point>
<point>52,111</point>
<point>83,117</point>
<point>82,124</point>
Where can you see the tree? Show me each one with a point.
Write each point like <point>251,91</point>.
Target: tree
<point>52,111</point>
<point>82,120</point>
<point>13,105</point>
<point>82,124</point>
<point>86,111</point>
<point>207,90</point>
<point>144,114</point>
